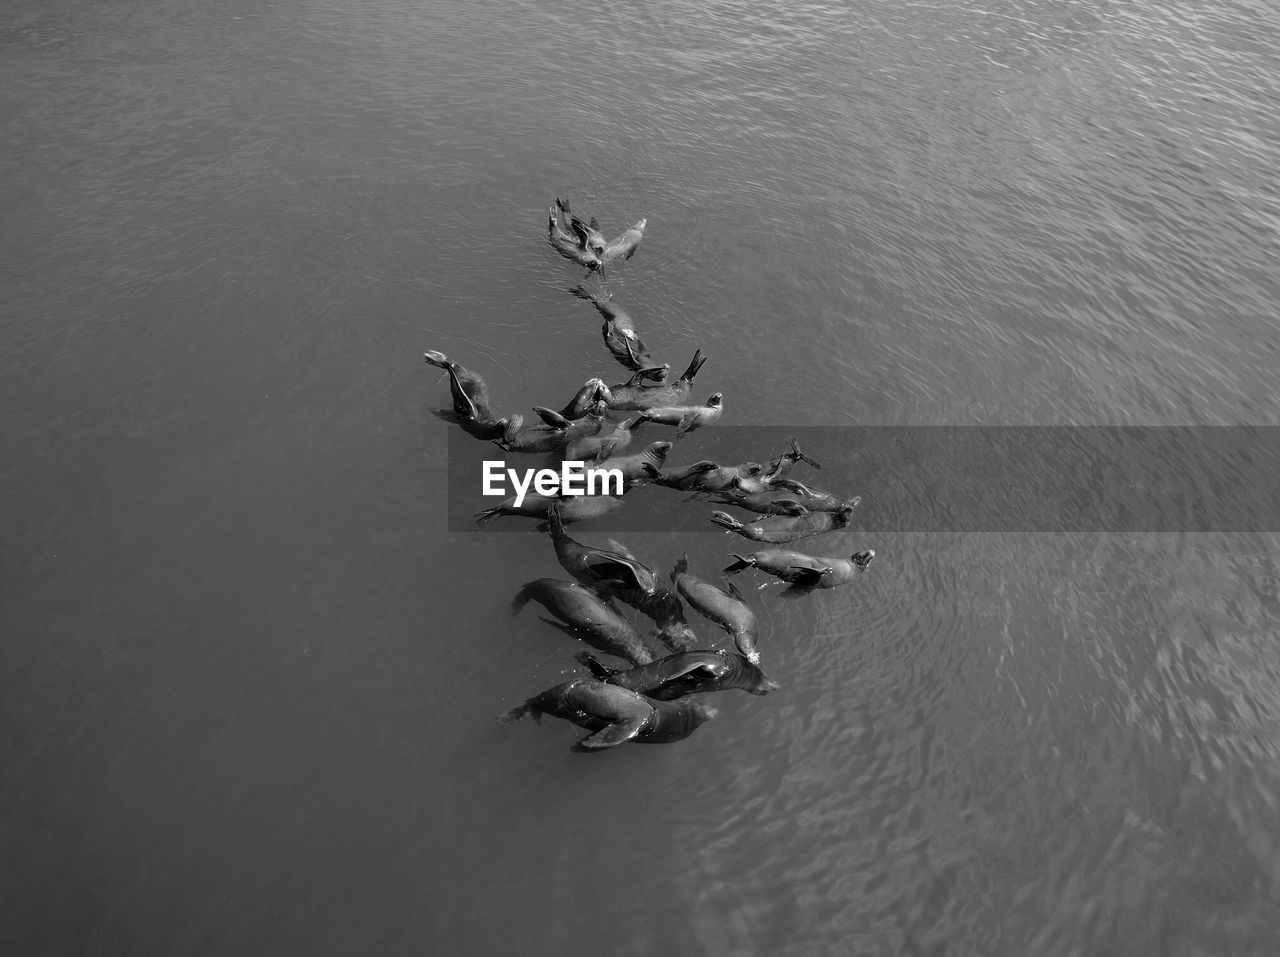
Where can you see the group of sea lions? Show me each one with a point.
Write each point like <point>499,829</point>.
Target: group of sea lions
<point>650,701</point>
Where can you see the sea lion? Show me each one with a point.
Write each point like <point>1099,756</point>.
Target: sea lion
<point>780,529</point>
<point>726,608</point>
<point>634,396</point>
<point>557,433</point>
<point>570,246</point>
<point>645,464</point>
<point>587,233</point>
<point>587,615</point>
<point>604,441</point>
<point>624,246</point>
<point>705,476</point>
<point>574,508</point>
<point>614,715</point>
<point>686,418</point>
<point>769,502</point>
<point>686,673</point>
<point>619,332</point>
<point>598,566</point>
<point>470,396</point>
<point>585,400</point>
<point>815,500</point>
<point>777,470</point>
<point>469,392</point>
<point>781,466</point>
<point>806,571</point>
<point>660,604</point>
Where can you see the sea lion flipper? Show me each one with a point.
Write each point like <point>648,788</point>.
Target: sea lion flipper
<point>738,565</point>
<point>725,520</point>
<point>598,668</point>
<point>621,549</point>
<point>612,735</point>
<point>732,589</point>
<point>554,419</point>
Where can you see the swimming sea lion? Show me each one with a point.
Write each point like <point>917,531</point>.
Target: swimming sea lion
<point>769,502</point>
<point>705,476</point>
<point>571,247</point>
<point>646,464</point>
<point>604,441</point>
<point>619,332</point>
<point>815,500</point>
<point>686,673</point>
<point>470,396</point>
<point>726,608</point>
<point>686,418</point>
<point>598,566</point>
<point>574,508</point>
<point>624,246</point>
<point>588,615</point>
<point>587,233</point>
<point>777,470</point>
<point>806,571</point>
<point>633,395</point>
<point>780,529</point>
<point>469,391</point>
<point>660,604</point>
<point>614,715</point>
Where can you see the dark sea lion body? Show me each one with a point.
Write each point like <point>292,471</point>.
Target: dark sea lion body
<point>686,673</point>
<point>780,529</point>
<point>601,567</point>
<point>624,246</point>
<point>533,439</point>
<point>587,233</point>
<point>470,396</point>
<point>570,246</point>
<point>705,476</point>
<point>725,608</point>
<point>643,465</point>
<point>618,331</point>
<point>589,615</point>
<point>762,503</point>
<point>807,571</point>
<point>577,508</point>
<point>686,418</point>
<point>585,400</point>
<point>605,441</point>
<point>661,605</point>
<point>634,396</point>
<point>815,500</point>
<point>615,715</point>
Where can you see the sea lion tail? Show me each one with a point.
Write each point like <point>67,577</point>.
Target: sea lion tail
<point>599,670</point>
<point>725,520</point>
<point>739,564</point>
<point>515,714</point>
<point>551,418</point>
<point>681,566</point>
<point>801,457</point>
<point>521,598</point>
<point>696,363</point>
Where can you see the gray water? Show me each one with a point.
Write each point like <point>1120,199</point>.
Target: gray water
<point>249,676</point>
